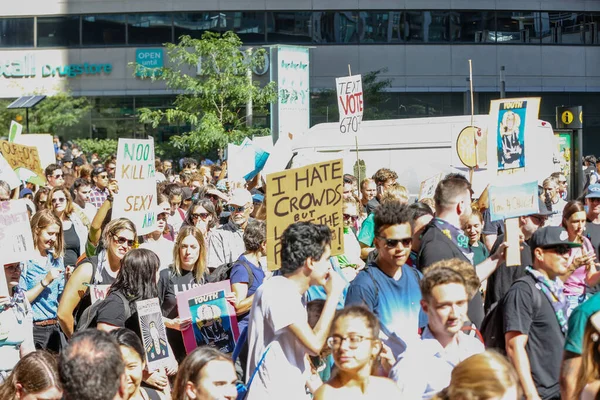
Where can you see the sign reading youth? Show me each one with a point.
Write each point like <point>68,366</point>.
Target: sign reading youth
<point>135,173</point>
<point>350,102</point>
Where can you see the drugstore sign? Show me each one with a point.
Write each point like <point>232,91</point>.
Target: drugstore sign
<point>26,67</point>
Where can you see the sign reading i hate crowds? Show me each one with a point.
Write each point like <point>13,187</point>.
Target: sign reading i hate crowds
<point>312,194</point>
<point>350,102</point>
<point>135,173</point>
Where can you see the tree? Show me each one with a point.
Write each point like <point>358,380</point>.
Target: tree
<point>212,102</point>
<point>59,110</point>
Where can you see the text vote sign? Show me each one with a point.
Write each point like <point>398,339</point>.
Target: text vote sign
<point>21,156</point>
<point>16,240</point>
<point>312,194</point>
<point>350,102</point>
<point>513,201</point>
<point>135,174</point>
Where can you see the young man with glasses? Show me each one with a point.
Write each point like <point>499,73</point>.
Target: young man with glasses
<point>387,286</point>
<point>535,315</point>
<point>226,243</point>
<point>425,367</point>
<point>99,191</point>
<point>54,176</point>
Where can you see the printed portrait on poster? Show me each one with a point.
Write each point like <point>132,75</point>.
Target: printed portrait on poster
<point>211,322</point>
<point>511,135</point>
<point>154,335</point>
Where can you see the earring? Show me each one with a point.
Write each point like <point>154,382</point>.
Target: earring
<point>595,337</point>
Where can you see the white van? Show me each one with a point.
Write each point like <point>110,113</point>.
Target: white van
<point>420,148</point>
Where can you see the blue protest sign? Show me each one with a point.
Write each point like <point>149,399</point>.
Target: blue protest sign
<point>513,201</point>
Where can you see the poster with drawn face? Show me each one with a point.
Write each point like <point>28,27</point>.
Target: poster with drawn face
<point>511,134</point>
<point>154,335</point>
<point>211,323</point>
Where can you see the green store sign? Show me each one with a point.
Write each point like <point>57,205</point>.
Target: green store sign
<point>25,67</point>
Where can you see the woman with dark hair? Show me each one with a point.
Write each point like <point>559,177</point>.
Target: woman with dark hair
<point>34,377</point>
<point>202,214</point>
<point>41,198</point>
<point>206,373</point>
<point>134,357</point>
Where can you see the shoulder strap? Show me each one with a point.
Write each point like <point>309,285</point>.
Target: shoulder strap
<point>249,270</point>
<point>126,305</point>
<point>537,294</point>
<point>262,358</point>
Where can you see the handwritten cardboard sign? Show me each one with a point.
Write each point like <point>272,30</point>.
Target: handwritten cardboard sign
<point>350,102</point>
<point>513,201</point>
<point>7,174</point>
<point>428,186</point>
<point>16,240</point>
<point>21,156</point>
<point>135,173</point>
<point>44,145</point>
<point>154,334</point>
<point>312,193</point>
<point>214,321</point>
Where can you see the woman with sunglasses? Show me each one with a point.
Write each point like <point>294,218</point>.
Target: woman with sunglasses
<point>75,231</point>
<point>118,238</point>
<point>355,347</point>
<point>186,272</point>
<point>581,259</point>
<point>202,215</point>
<point>15,322</point>
<point>40,199</point>
<point>157,241</point>
<point>43,279</point>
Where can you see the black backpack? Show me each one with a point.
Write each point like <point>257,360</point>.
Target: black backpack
<point>223,272</point>
<point>492,327</point>
<point>89,317</point>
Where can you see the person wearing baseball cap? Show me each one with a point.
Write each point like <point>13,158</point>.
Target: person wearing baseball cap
<point>226,243</point>
<point>535,314</point>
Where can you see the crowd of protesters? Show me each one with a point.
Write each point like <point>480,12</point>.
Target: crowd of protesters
<point>420,305</point>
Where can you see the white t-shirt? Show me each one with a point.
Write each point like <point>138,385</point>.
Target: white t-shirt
<point>277,305</point>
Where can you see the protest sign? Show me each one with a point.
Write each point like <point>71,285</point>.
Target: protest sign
<point>135,173</point>
<point>245,161</point>
<point>512,119</point>
<point>513,201</point>
<point>154,335</point>
<point>44,145</point>
<point>3,280</point>
<point>312,193</point>
<point>350,102</point>
<point>98,292</point>
<point>428,186</point>
<point>16,240</point>
<point>280,155</point>
<point>15,130</point>
<point>7,174</point>
<point>214,321</point>
<point>21,156</point>
<point>512,237</point>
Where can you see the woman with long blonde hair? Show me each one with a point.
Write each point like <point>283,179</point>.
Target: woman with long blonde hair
<point>588,380</point>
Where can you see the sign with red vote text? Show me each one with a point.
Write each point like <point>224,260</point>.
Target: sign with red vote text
<point>135,175</point>
<point>350,102</point>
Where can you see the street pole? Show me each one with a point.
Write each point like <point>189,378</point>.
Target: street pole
<point>502,82</point>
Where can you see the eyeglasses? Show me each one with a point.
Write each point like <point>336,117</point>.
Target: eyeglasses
<point>59,200</point>
<point>393,243</point>
<point>12,267</point>
<point>57,176</point>
<point>561,250</point>
<point>103,176</point>
<point>200,215</point>
<point>335,342</point>
<point>237,209</point>
<point>538,219</point>
<point>594,199</point>
<point>161,217</point>
<point>122,240</point>
<point>354,218</point>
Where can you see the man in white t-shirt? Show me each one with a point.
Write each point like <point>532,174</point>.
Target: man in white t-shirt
<point>278,327</point>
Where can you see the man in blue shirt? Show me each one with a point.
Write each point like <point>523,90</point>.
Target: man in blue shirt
<point>387,286</point>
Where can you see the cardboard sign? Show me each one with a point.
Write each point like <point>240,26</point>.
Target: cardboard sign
<point>44,145</point>
<point>7,174</point>
<point>350,102</point>
<point>214,321</point>
<point>513,201</point>
<point>312,193</point>
<point>135,173</point>
<point>428,187</point>
<point>21,156</point>
<point>513,252</point>
<point>15,131</point>
<point>154,335</point>
<point>98,292</point>
<point>16,240</point>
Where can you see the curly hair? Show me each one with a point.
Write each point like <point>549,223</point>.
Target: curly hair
<point>390,213</point>
<point>301,241</point>
<point>383,175</point>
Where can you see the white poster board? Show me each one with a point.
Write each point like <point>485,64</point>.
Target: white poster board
<point>7,174</point>
<point>16,240</point>
<point>154,335</point>
<point>43,142</point>
<point>135,174</point>
<point>350,102</point>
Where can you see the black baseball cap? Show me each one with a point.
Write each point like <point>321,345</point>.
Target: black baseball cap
<point>551,236</point>
<point>97,171</point>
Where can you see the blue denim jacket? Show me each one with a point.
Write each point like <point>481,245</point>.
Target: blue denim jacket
<point>45,306</point>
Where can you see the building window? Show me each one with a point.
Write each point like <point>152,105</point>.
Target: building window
<point>472,27</point>
<point>153,29</point>
<point>58,31</point>
<point>289,27</point>
<point>248,25</point>
<point>336,27</point>
<point>380,27</point>
<point>195,24</point>
<point>16,32</point>
<point>103,30</point>
<point>518,27</point>
<point>561,27</point>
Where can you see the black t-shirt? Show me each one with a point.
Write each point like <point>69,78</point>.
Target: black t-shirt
<point>72,246</point>
<point>503,277</point>
<point>593,233</point>
<point>491,227</point>
<point>112,311</point>
<point>435,246</point>
<point>545,339</point>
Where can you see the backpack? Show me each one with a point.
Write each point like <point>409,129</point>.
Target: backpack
<point>492,327</point>
<point>223,272</point>
<point>89,317</point>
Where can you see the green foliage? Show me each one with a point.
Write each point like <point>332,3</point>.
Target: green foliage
<point>104,147</point>
<point>212,102</point>
<point>59,110</point>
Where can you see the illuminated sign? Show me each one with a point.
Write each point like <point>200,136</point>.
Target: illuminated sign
<point>25,67</point>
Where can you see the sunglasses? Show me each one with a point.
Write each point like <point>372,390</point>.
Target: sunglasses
<point>59,200</point>
<point>354,218</point>
<point>57,176</point>
<point>161,217</point>
<point>561,250</point>
<point>393,243</point>
<point>122,240</point>
<point>237,209</point>
<point>200,215</point>
<point>103,176</point>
